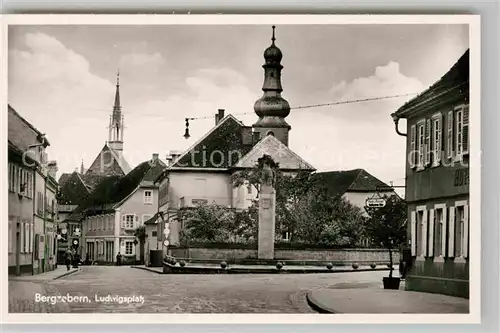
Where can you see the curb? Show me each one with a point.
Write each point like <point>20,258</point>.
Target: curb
<point>147,269</point>
<point>66,274</point>
<point>317,306</point>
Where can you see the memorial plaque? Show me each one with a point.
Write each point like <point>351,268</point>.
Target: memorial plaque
<point>266,203</point>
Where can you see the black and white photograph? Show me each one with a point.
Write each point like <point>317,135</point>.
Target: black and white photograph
<point>242,165</point>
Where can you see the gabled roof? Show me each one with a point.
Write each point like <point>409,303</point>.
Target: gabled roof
<point>337,183</point>
<point>113,189</point>
<point>270,145</point>
<point>72,189</point>
<point>33,128</point>
<point>454,84</point>
<point>226,138</point>
<point>116,156</point>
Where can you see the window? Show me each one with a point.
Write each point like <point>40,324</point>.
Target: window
<point>419,232</point>
<point>249,188</point>
<point>436,139</point>
<point>461,230</point>
<point>154,233</point>
<point>286,236</point>
<point>458,132</point>
<point>128,221</point>
<point>440,230</point>
<point>148,197</point>
<point>129,248</point>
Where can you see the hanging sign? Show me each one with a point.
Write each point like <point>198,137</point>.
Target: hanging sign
<point>375,202</point>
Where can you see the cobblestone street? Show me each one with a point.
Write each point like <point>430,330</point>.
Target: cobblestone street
<point>246,293</point>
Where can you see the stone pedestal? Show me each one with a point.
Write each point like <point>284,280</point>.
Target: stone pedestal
<point>267,218</point>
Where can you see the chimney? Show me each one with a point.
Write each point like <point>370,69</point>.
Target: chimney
<point>219,116</point>
<point>52,169</point>
<point>172,157</point>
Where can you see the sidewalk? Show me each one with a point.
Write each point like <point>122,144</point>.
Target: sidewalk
<point>47,276</point>
<point>158,270</point>
<point>371,300</point>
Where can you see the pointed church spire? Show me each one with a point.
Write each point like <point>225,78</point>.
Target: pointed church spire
<point>82,169</point>
<point>117,106</point>
<point>116,121</point>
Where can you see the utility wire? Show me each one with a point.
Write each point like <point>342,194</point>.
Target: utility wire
<point>301,107</point>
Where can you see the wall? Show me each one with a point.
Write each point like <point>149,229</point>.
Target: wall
<point>20,211</point>
<point>216,187</point>
<point>448,179</point>
<point>444,274</point>
<point>136,205</point>
<point>348,256</point>
<point>98,230</point>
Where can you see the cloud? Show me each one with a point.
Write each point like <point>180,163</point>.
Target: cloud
<point>141,60</point>
<point>357,135</point>
<point>53,88</point>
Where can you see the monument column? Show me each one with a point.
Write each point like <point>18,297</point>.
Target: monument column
<point>267,208</point>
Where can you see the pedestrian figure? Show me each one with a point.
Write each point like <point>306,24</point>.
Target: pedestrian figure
<point>87,259</point>
<point>67,258</point>
<point>118,259</point>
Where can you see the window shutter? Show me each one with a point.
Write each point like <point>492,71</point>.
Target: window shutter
<point>30,239</point>
<point>428,143</point>
<point>465,246</point>
<point>124,220</point>
<point>136,219</point>
<point>439,139</point>
<point>465,131</point>
<point>451,233</point>
<point>449,143</point>
<point>423,242</point>
<point>443,233</point>
<point>431,233</point>
<point>413,234</point>
<point>413,154</point>
<point>10,236</point>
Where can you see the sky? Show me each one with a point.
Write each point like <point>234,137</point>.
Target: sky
<point>62,79</point>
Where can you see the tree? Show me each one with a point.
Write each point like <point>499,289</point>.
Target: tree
<point>387,225</point>
<point>306,211</point>
<point>218,224</point>
<point>140,234</point>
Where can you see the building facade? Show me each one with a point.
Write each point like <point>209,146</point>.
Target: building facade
<point>437,183</point>
<point>114,211</point>
<point>32,214</point>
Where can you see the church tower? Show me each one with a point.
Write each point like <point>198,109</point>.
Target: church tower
<point>271,108</point>
<point>115,141</point>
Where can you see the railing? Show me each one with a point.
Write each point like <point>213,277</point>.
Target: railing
<point>194,201</point>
